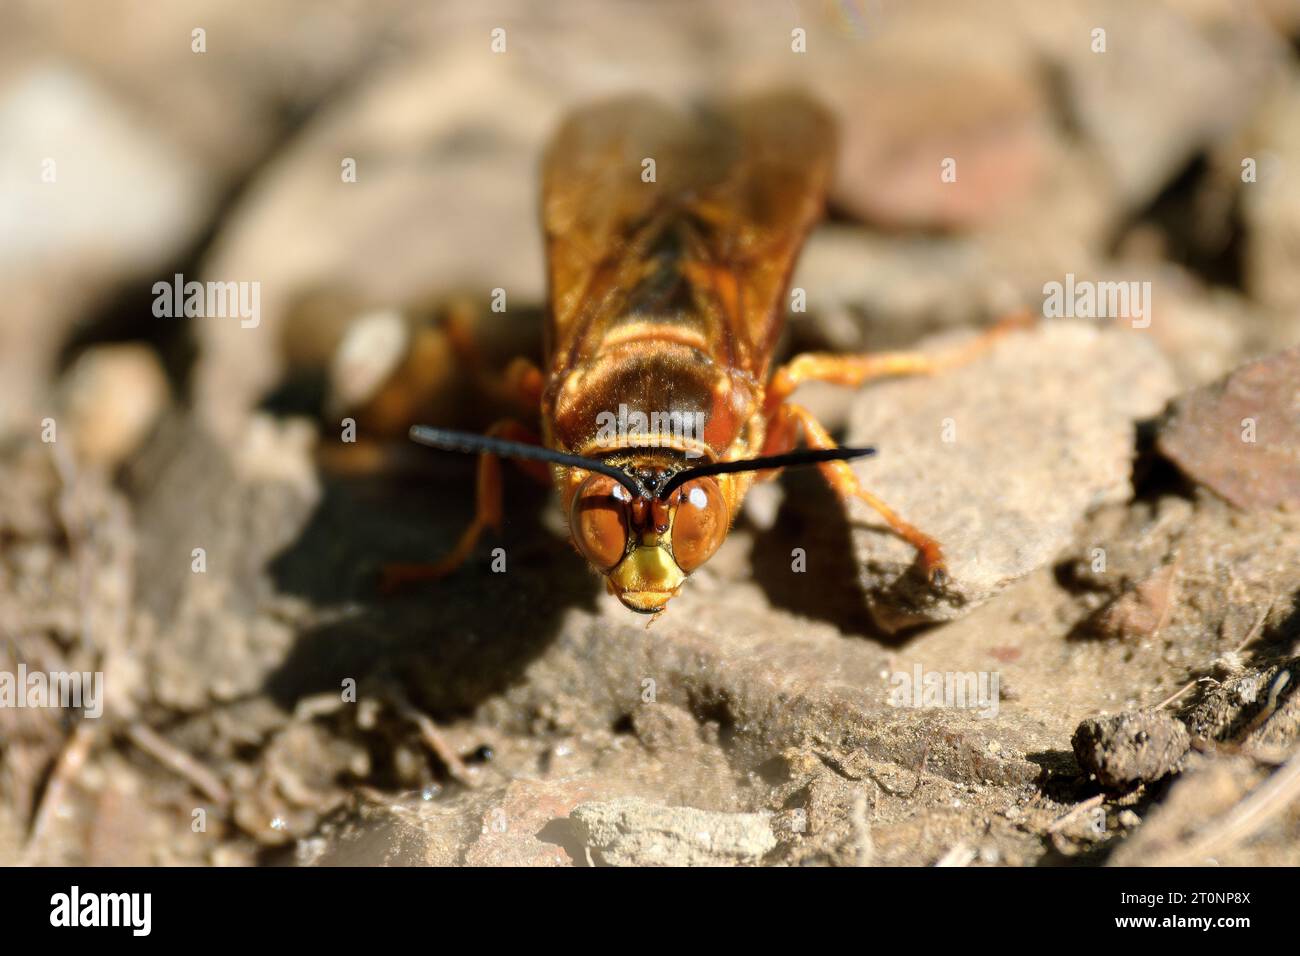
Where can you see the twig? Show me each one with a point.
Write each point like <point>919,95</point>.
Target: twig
<point>1078,810</point>
<point>1270,708</point>
<point>65,770</point>
<point>1171,595</point>
<point>172,757</point>
<point>866,847</point>
<point>838,765</point>
<point>1250,636</point>
<point>434,740</point>
<point>1239,745</point>
<point>78,746</point>
<point>1247,818</point>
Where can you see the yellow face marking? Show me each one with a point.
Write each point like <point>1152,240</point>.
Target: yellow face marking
<point>645,579</point>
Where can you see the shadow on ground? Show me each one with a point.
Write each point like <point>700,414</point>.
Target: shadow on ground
<point>450,644</point>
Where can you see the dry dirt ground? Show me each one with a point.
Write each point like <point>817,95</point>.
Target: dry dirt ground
<point>1120,505</point>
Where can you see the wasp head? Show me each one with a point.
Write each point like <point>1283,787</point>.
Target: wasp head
<point>647,541</point>
<point>645,523</point>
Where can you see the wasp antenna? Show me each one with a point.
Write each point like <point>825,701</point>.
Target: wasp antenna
<point>807,456</point>
<point>475,444</point>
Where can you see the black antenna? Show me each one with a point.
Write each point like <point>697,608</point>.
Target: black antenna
<point>808,456</point>
<point>476,444</point>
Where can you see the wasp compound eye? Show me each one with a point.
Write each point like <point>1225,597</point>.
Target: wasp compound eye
<point>700,522</point>
<point>599,520</point>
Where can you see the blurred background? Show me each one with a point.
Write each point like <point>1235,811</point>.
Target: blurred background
<point>226,164</point>
<point>214,139</point>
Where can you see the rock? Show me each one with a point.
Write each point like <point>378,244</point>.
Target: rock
<point>373,346</point>
<point>113,396</point>
<point>87,177</point>
<point>1138,612</point>
<point>665,728</point>
<point>400,833</point>
<point>1128,819</point>
<point>913,106</point>
<point>906,287</point>
<point>1255,708</point>
<point>1175,831</point>
<point>1270,205</point>
<point>1124,750</point>
<point>300,782</point>
<point>1193,825</point>
<point>1202,332</point>
<point>511,827</point>
<point>1124,547</point>
<point>92,194</point>
<point>1169,78</point>
<point>1240,437</point>
<point>634,832</point>
<point>210,623</point>
<point>259,70</point>
<point>1038,431</point>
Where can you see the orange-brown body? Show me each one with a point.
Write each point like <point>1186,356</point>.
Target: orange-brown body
<point>670,241</point>
<point>667,295</point>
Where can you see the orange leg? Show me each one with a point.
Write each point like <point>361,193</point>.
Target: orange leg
<point>784,417</point>
<point>844,482</point>
<point>522,381</point>
<point>487,512</point>
<point>853,370</point>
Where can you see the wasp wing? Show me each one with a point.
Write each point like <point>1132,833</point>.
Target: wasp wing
<point>719,216</point>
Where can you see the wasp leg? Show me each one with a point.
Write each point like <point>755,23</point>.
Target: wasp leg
<point>854,370</point>
<point>845,483</point>
<point>521,382</point>
<point>487,512</point>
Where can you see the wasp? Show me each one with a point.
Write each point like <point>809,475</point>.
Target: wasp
<point>667,296</point>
